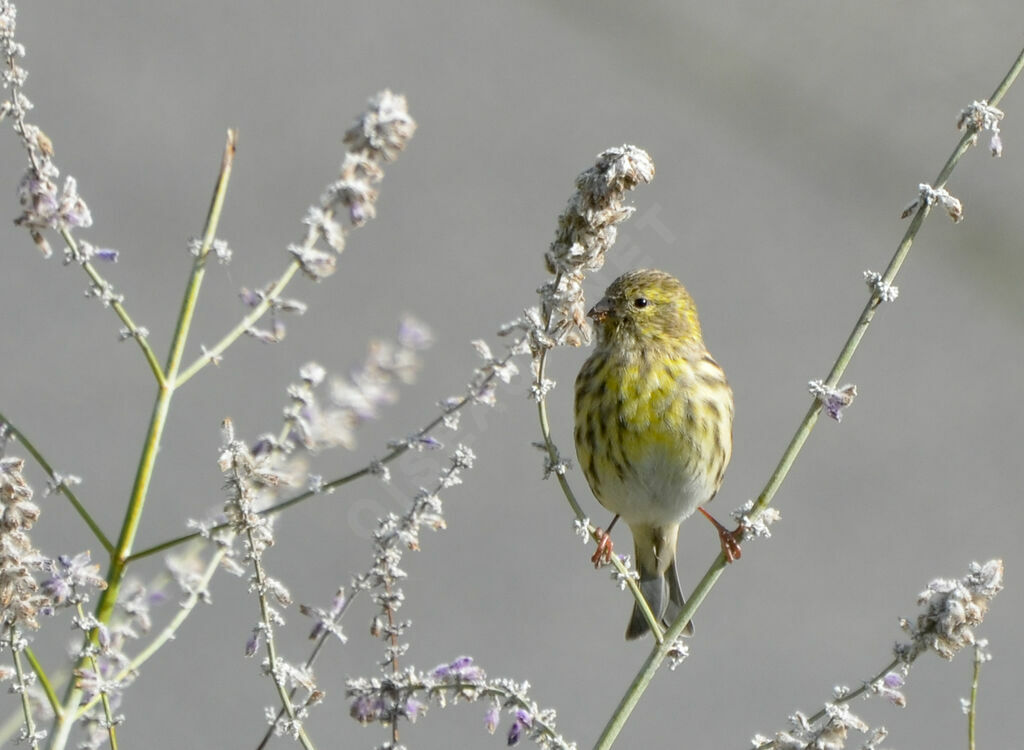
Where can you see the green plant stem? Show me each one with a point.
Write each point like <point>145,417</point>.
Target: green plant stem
<point>44,682</point>
<point>19,670</point>
<point>62,488</point>
<point>1008,79</point>
<point>972,710</point>
<point>117,307</point>
<point>658,653</point>
<point>244,325</point>
<point>158,422</point>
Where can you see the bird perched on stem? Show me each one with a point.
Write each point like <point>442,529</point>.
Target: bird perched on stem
<point>653,427</point>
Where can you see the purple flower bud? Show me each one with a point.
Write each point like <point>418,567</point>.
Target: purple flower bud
<point>253,644</point>
<point>515,732</point>
<point>491,718</point>
<point>357,214</point>
<point>365,709</point>
<point>103,636</point>
<point>57,589</point>
<point>338,603</point>
<point>263,446</point>
<point>414,709</point>
<point>249,297</point>
<point>523,721</point>
<point>412,334</point>
<point>893,680</point>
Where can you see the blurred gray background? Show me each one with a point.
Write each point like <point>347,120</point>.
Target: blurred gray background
<point>787,139</point>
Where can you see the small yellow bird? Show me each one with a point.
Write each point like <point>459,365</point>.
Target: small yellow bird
<point>653,431</point>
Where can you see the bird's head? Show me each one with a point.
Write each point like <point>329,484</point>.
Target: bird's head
<point>647,308</point>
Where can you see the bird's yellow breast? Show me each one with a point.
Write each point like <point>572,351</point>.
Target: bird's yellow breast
<point>653,434</point>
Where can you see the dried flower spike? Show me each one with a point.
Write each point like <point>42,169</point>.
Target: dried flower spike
<point>833,399</point>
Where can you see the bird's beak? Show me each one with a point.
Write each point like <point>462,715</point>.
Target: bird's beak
<point>601,310</point>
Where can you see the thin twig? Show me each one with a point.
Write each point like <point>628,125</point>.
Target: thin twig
<point>158,420</point>
<point>61,486</point>
<point>659,652</point>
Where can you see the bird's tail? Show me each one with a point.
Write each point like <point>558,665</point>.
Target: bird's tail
<point>659,583</point>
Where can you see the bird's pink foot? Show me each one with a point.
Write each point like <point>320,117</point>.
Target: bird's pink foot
<point>730,540</point>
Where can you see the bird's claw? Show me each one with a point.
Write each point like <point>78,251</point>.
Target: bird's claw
<point>731,543</point>
<point>603,553</point>
<point>730,539</point>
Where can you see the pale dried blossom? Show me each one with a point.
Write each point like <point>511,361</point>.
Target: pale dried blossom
<point>395,532</point>
<point>554,463</point>
<point>104,292</point>
<point>222,251</point>
<point>317,424</point>
<point>187,569</point>
<point>980,115</point>
<point>586,229</point>
<point>135,603</point>
<point>391,698</point>
<point>247,478</point>
<point>829,732</point>
<point>71,578</point>
<point>482,388</point>
<point>677,653</point>
<point>384,129</point>
<point>929,196</point>
<point>875,740</point>
<point>273,335</point>
<point>529,331</point>
<point>890,687</point>
<point>886,292</point>
<point>833,399</point>
<point>95,724</point>
<point>294,306</point>
<point>21,599</point>
<point>219,248</point>
<point>622,579</point>
<point>759,527</point>
<point>139,332</point>
<point>981,652</point>
<point>59,482</point>
<point>316,264</point>
<point>407,695</point>
<point>250,479</point>
<point>83,252</point>
<point>378,136</point>
<point>328,622</point>
<point>109,669</point>
<point>952,609</point>
<point>44,205</point>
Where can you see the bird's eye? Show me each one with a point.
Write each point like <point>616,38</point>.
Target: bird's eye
<point>640,302</point>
